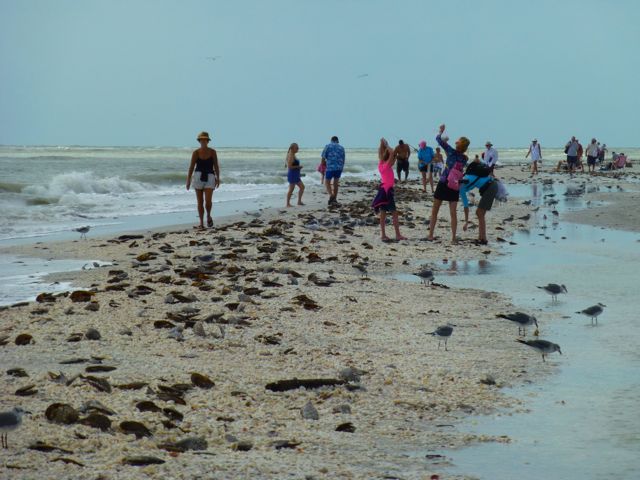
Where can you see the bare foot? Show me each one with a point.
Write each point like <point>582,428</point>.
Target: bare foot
<point>289,205</point>
<point>385,239</point>
<point>300,203</point>
<point>400,237</point>
<point>198,227</point>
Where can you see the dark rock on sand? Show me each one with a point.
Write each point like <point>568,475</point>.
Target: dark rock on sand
<point>24,339</point>
<point>346,427</point>
<point>202,381</point>
<point>17,372</point>
<point>190,443</point>
<point>96,420</point>
<point>309,412</point>
<point>135,428</point>
<point>92,334</point>
<point>26,391</point>
<point>142,460</point>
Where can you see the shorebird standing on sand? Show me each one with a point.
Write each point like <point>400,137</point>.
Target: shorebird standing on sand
<point>554,290</point>
<point>443,332</point>
<point>9,421</point>
<point>542,346</point>
<point>593,312</point>
<point>425,275</point>
<point>83,231</point>
<point>523,320</point>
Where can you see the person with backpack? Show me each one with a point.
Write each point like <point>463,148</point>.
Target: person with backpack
<point>448,188</point>
<point>478,176</point>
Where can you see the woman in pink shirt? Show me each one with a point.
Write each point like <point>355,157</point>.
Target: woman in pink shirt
<point>385,202</point>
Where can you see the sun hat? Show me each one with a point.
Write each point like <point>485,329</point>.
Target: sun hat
<point>422,144</point>
<point>534,140</point>
<point>488,143</point>
<point>203,135</point>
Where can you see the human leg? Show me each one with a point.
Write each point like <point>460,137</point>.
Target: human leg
<point>396,226</point>
<point>290,193</point>
<point>300,192</point>
<point>208,203</point>
<point>454,220</point>
<point>482,225</point>
<point>434,217</point>
<point>200,201</point>
<point>424,181</point>
<point>383,223</point>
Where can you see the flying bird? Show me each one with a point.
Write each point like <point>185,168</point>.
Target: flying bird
<point>363,75</point>
<point>213,59</point>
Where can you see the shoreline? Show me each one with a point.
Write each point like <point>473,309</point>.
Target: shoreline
<point>409,388</point>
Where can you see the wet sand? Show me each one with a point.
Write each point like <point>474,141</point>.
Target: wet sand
<point>279,299</point>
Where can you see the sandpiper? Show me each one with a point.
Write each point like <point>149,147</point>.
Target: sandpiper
<point>425,275</point>
<point>443,332</point>
<point>593,312</point>
<point>9,421</point>
<point>83,231</point>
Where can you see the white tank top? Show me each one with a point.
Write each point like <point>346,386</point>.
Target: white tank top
<point>535,152</point>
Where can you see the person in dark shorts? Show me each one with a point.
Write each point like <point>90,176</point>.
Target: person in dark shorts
<point>488,187</point>
<point>571,149</point>
<point>293,174</point>
<point>456,159</point>
<point>402,153</point>
<point>385,202</point>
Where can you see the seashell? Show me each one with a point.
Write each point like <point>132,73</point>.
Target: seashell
<point>46,298</point>
<point>172,414</point>
<point>92,334</point>
<point>40,446</point>
<point>147,406</point>
<point>92,306</point>
<point>99,368</point>
<point>135,428</point>
<point>96,420</point>
<point>142,460</point>
<point>81,296</point>
<point>61,413</point>
<point>280,444</point>
<point>100,384</point>
<point>17,372</point>
<point>243,446</point>
<point>202,381</point>
<point>163,324</point>
<point>346,427</point>
<point>190,443</point>
<point>75,337</point>
<point>132,385</point>
<point>24,339</point>
<point>26,391</point>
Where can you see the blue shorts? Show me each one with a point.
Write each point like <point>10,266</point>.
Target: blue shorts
<point>329,174</point>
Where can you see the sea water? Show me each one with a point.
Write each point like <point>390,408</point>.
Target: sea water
<point>584,420</point>
<point>46,191</point>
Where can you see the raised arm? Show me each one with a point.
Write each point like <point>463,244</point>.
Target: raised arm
<point>445,146</point>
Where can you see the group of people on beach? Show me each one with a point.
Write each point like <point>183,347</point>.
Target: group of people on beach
<point>596,155</point>
<point>452,181</point>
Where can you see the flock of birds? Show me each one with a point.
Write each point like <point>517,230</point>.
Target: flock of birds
<point>522,320</point>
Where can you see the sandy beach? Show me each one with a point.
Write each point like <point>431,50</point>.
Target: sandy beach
<point>263,299</point>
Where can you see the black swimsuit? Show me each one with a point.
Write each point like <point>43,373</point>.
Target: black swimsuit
<point>205,167</point>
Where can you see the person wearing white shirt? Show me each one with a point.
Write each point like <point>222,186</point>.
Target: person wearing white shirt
<point>592,155</point>
<point>536,156</point>
<point>490,156</point>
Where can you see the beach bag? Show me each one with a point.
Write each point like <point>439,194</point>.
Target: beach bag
<point>502,195</point>
<point>454,176</point>
<point>478,169</point>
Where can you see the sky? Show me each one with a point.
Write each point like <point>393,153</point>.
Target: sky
<point>267,73</point>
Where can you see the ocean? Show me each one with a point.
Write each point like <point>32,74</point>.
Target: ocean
<point>47,191</point>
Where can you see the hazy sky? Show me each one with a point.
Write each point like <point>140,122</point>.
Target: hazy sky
<point>136,72</point>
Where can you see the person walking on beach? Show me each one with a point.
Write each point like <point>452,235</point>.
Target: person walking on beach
<point>571,149</point>
<point>490,156</point>
<point>592,155</point>
<point>602,152</point>
<point>205,162</point>
<point>384,202</point>
<point>580,154</point>
<point>425,156</point>
<point>437,166</point>
<point>333,156</point>
<point>402,152</point>
<point>481,179</point>
<point>536,156</point>
<point>293,174</point>
<point>448,186</point>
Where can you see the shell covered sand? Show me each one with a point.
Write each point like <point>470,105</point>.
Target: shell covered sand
<point>276,298</point>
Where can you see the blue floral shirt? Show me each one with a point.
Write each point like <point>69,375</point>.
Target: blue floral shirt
<point>334,155</point>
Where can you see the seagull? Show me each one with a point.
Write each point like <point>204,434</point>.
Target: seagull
<point>363,75</point>
<point>83,231</point>
<point>554,290</point>
<point>10,420</point>
<point>542,346</point>
<point>522,319</point>
<point>443,332</point>
<point>213,59</point>
<point>425,275</point>
<point>593,312</point>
